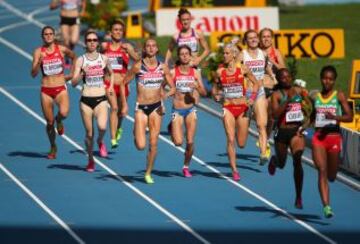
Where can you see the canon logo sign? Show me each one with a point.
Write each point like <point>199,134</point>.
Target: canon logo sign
<point>224,23</point>
<point>219,19</point>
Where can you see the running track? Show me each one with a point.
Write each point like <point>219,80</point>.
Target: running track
<point>56,201</point>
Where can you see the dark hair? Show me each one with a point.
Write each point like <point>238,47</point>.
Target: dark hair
<point>247,33</point>
<point>328,68</point>
<point>178,52</point>
<point>118,21</point>
<point>91,31</point>
<point>45,28</point>
<point>266,29</point>
<point>183,11</point>
<point>279,72</point>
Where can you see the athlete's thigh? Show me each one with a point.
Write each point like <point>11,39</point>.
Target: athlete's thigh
<point>332,164</point>
<point>65,32</point>
<point>140,124</point>
<point>177,128</point>
<point>87,117</point>
<point>75,32</point>
<point>190,124</point>
<point>101,114</point>
<point>242,130</point>
<point>47,106</point>
<point>229,124</point>
<point>297,143</point>
<point>261,115</point>
<point>320,157</point>
<point>112,99</point>
<point>62,100</point>
<point>154,126</point>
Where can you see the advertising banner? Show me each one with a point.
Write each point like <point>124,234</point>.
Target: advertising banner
<point>201,3</point>
<point>304,43</point>
<point>219,19</point>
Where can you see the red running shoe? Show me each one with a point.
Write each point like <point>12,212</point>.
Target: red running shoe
<point>236,176</point>
<point>52,153</point>
<point>298,203</point>
<point>91,166</point>
<point>102,150</point>
<point>186,173</point>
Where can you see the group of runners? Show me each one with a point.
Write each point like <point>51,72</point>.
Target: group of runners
<point>252,82</point>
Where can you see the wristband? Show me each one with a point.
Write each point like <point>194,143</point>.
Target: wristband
<point>253,96</point>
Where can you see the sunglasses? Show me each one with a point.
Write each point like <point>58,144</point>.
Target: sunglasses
<point>92,40</point>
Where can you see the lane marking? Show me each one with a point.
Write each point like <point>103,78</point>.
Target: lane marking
<point>196,159</point>
<point>41,204</point>
<point>110,171</point>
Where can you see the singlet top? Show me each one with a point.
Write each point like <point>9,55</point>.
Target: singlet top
<point>233,85</point>
<point>182,81</point>
<point>293,111</point>
<point>95,71</point>
<point>256,65</point>
<point>190,41</point>
<point>150,78</point>
<point>326,105</point>
<point>52,63</point>
<point>119,59</point>
<point>70,4</point>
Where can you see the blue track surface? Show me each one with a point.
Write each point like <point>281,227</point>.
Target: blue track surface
<point>114,205</point>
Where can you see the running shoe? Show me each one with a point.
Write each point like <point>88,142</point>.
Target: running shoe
<point>328,211</point>
<point>298,203</point>
<point>272,166</point>
<point>186,173</point>
<point>264,159</point>
<point>114,143</point>
<point>91,166</point>
<point>60,127</point>
<point>149,179</point>
<point>102,150</point>
<point>236,176</point>
<point>268,150</point>
<point>118,134</point>
<point>52,153</point>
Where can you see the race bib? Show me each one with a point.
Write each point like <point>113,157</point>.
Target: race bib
<point>184,85</point>
<point>321,121</point>
<point>294,113</point>
<point>52,67</point>
<point>233,91</point>
<point>116,63</point>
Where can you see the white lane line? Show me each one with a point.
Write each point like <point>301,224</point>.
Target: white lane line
<point>113,173</point>
<point>38,11</point>
<point>257,196</point>
<point>23,23</point>
<point>41,204</point>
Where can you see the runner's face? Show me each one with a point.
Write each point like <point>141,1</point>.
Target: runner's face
<point>252,40</point>
<point>117,32</point>
<point>266,39</point>
<point>328,80</point>
<point>185,21</point>
<point>228,57</point>
<point>151,48</point>
<point>285,79</point>
<point>48,36</point>
<point>184,56</point>
<point>92,42</point>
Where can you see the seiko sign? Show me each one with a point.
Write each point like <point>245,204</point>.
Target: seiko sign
<point>219,19</point>
<point>305,43</point>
